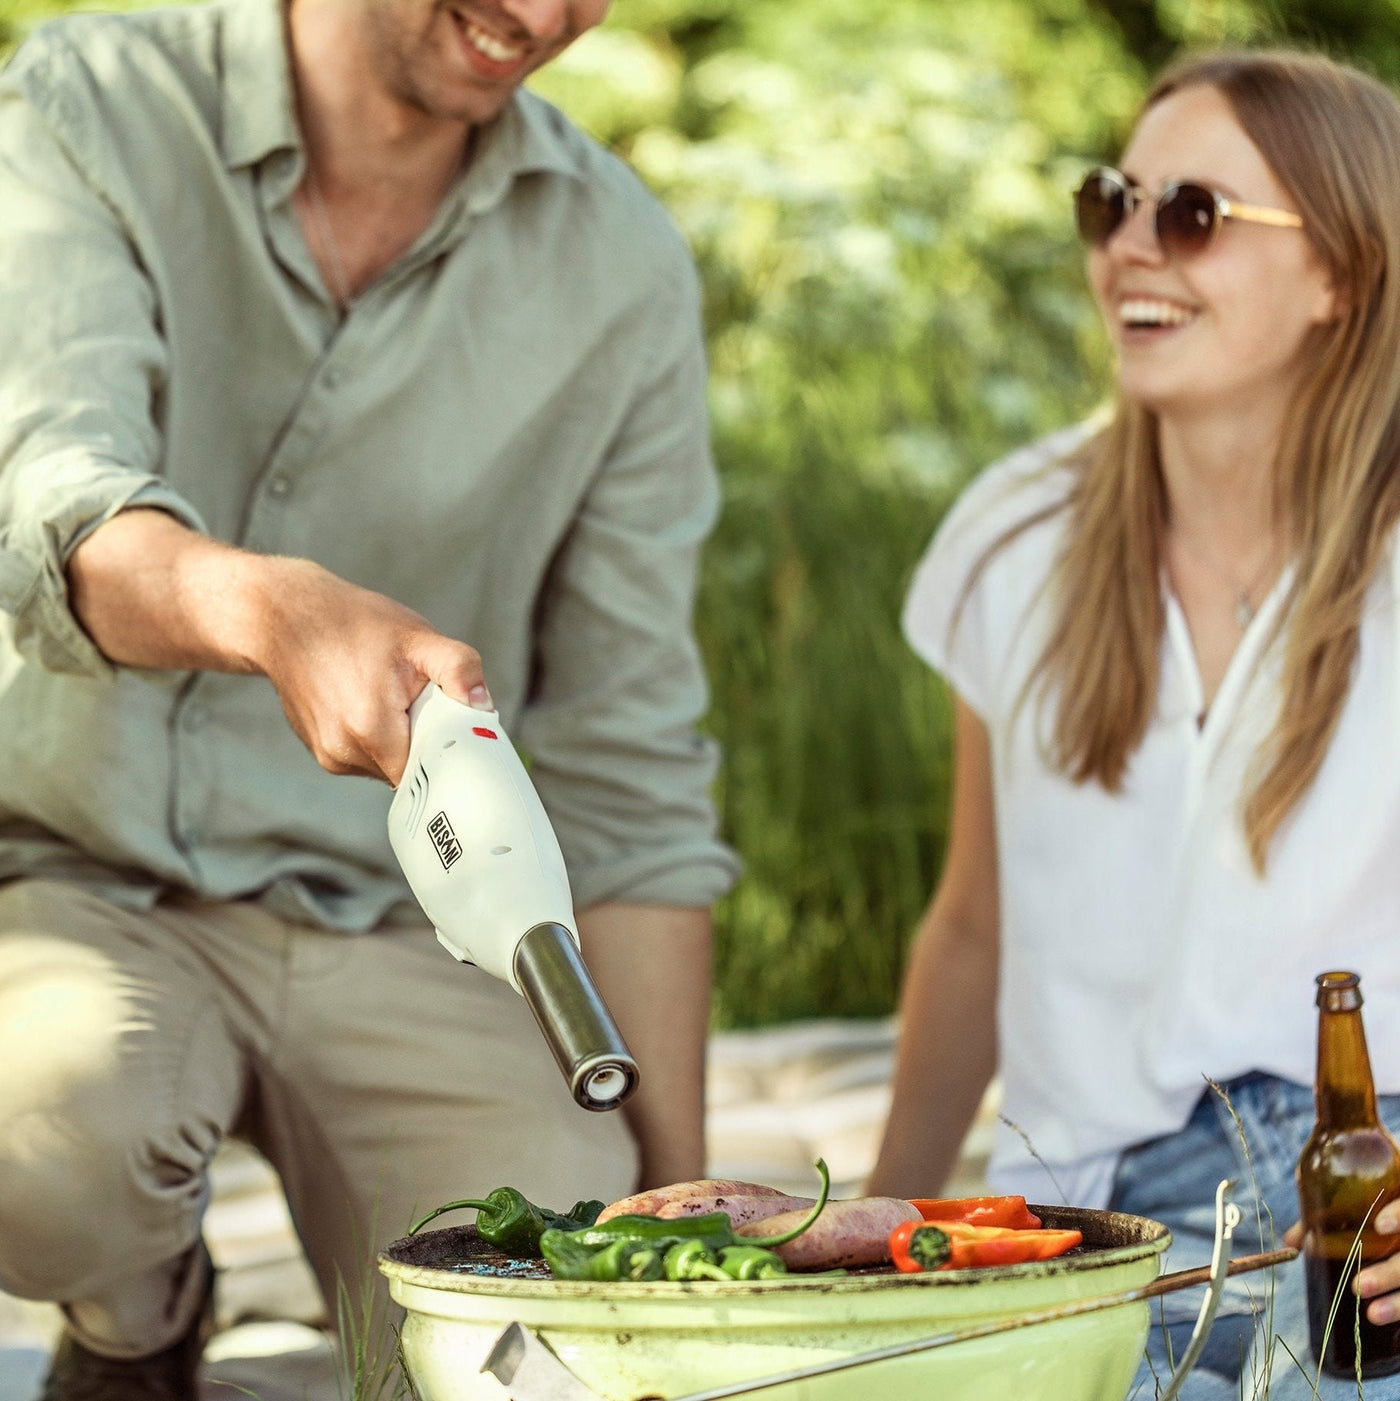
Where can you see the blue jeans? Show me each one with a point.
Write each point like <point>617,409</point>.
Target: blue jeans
<point>1173,1180</point>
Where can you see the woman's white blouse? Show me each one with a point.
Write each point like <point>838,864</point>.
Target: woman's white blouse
<point>1141,954</point>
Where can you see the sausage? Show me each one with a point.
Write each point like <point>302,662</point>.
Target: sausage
<point>739,1209</point>
<point>705,1189</point>
<point>847,1234</point>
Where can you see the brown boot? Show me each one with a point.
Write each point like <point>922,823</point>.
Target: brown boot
<point>78,1374</point>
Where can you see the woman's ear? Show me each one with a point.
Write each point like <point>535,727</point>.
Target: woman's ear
<point>1332,303</point>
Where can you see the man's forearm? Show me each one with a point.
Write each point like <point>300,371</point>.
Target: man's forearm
<point>346,662</point>
<point>151,592</point>
<point>652,965</point>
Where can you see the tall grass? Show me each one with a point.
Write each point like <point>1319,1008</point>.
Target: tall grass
<point>893,300</point>
<point>1257,1370</point>
<point>371,1349</point>
<point>836,740</point>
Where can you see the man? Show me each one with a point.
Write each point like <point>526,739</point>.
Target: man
<point>322,346</point>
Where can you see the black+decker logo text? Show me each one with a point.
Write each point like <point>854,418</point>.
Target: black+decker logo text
<point>445,839</point>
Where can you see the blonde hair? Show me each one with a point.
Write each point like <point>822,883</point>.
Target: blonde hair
<point>1330,134</point>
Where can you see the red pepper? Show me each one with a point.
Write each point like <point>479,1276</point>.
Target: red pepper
<point>974,1246</point>
<point>916,1247</point>
<point>979,1211</point>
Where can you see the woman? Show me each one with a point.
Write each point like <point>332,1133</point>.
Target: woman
<point>1175,645</point>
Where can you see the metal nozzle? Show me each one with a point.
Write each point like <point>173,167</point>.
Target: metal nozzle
<point>586,1043</point>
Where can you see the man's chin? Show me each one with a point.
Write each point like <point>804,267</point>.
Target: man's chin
<point>478,113</point>
<point>467,107</point>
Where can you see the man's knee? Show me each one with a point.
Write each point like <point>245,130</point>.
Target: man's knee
<point>85,1204</point>
<point>64,1011</point>
<point>101,1161</point>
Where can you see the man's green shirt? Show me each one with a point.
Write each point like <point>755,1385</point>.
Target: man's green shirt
<point>506,433</point>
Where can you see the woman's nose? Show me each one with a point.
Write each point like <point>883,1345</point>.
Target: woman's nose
<point>1135,239</point>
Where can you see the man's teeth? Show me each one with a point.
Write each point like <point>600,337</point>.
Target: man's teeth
<point>497,50</point>
<point>1144,311</point>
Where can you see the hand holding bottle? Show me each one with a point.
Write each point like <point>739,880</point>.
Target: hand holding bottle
<point>1379,1282</point>
<point>1348,1192</point>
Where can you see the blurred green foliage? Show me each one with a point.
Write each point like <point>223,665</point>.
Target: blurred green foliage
<point>877,195</point>
<point>877,198</point>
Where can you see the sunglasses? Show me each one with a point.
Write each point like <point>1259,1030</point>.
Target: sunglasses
<point>1186,217</point>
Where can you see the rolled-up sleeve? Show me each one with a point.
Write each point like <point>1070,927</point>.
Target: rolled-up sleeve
<point>620,685</point>
<point>82,362</point>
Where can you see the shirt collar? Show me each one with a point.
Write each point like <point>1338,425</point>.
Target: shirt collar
<point>258,113</point>
<point>528,136</point>
<point>259,116</point>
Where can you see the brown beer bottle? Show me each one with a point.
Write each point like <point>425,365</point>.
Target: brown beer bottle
<point>1349,1169</point>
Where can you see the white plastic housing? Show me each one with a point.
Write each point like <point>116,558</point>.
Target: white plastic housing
<point>472,837</point>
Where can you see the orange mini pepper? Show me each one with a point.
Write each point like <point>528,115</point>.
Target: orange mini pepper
<point>971,1247</point>
<point>916,1247</point>
<point>979,1211</point>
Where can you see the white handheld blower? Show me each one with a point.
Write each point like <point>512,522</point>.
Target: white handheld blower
<point>472,837</point>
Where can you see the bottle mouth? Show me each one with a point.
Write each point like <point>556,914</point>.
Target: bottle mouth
<point>1338,980</point>
<point>1339,990</point>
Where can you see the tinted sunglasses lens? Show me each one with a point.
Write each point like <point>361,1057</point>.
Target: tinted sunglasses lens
<point>1186,220</point>
<point>1100,205</point>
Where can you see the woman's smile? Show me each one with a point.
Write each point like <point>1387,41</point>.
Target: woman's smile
<point>1227,325</point>
<point>1141,313</point>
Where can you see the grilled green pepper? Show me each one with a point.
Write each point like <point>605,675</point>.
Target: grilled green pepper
<point>690,1260</point>
<point>621,1260</point>
<point>750,1262</point>
<point>567,1252</point>
<point>514,1225</point>
<point>712,1229</point>
<point>626,1259</point>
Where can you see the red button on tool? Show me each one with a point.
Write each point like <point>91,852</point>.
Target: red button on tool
<point>484,733</point>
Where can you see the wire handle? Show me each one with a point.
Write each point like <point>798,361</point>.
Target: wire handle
<point>1227,1217</point>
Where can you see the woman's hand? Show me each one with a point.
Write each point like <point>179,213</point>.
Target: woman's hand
<point>1380,1282</point>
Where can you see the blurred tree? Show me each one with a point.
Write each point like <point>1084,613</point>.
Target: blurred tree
<point>877,196</point>
<point>878,200</point>
<point>1366,32</point>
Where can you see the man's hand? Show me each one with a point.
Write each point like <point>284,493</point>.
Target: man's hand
<point>1380,1283</point>
<point>346,662</point>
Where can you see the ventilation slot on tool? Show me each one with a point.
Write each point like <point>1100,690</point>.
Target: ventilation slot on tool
<point>417,797</point>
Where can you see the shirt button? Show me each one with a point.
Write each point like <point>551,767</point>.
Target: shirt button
<point>334,376</point>
<point>196,717</point>
<point>280,486</point>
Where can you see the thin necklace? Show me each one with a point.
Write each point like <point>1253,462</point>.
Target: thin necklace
<point>340,283</point>
<point>1244,606</point>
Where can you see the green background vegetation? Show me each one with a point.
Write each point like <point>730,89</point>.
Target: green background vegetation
<point>877,194</point>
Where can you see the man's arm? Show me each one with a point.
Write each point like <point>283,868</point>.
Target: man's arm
<point>612,729</point>
<point>346,662</point>
<point>95,546</point>
<point>652,965</point>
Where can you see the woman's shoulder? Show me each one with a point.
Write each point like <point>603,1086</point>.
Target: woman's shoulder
<point>1005,501</point>
<point>993,551</point>
<point>1034,480</point>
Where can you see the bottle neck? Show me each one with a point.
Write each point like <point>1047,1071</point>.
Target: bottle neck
<point>1345,1093</point>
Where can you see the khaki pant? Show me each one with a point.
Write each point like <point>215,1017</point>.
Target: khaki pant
<point>379,1078</point>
